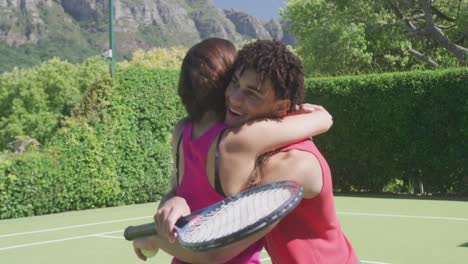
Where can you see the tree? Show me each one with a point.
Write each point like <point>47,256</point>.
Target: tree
<point>34,101</point>
<point>343,37</point>
<point>434,20</point>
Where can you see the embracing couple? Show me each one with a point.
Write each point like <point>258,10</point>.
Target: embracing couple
<point>247,126</point>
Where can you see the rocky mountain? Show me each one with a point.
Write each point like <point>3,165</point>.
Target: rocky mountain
<point>74,29</point>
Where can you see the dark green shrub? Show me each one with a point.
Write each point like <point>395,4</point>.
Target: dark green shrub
<point>411,126</point>
<point>391,132</point>
<point>114,149</point>
<point>26,185</point>
<point>34,101</point>
<point>144,111</point>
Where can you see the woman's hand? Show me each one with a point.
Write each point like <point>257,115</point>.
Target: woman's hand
<point>166,217</point>
<point>145,247</point>
<point>315,109</point>
<point>308,108</point>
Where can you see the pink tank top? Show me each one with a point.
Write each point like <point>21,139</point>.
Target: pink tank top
<point>196,188</point>
<point>311,233</point>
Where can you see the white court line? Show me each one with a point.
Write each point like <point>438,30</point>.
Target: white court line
<point>362,261</point>
<point>407,216</point>
<point>57,240</point>
<point>144,217</point>
<point>73,226</point>
<point>106,236</point>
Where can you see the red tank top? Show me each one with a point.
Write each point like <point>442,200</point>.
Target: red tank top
<point>196,188</point>
<point>311,233</point>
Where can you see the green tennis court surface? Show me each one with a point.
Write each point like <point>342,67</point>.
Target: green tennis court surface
<point>382,230</point>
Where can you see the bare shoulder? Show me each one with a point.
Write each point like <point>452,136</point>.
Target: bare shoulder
<point>179,127</point>
<point>181,124</point>
<point>233,141</point>
<point>297,165</point>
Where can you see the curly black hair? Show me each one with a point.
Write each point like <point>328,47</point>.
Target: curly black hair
<point>272,60</point>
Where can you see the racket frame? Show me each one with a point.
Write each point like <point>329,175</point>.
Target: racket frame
<point>184,223</point>
<point>286,207</point>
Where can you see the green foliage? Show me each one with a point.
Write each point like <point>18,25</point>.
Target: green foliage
<point>145,109</point>
<point>28,55</point>
<point>34,101</point>
<point>395,186</point>
<point>87,171</point>
<point>27,185</point>
<point>391,132</point>
<point>327,42</point>
<point>67,173</point>
<point>114,149</point>
<point>58,36</point>
<point>341,37</point>
<point>18,57</point>
<point>152,34</point>
<point>160,58</point>
<point>240,44</point>
<point>411,126</point>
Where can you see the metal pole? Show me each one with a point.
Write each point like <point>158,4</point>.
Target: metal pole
<point>111,36</point>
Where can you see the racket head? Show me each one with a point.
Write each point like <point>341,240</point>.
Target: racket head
<point>261,206</point>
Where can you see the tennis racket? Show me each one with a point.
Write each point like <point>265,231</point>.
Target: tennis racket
<point>231,219</point>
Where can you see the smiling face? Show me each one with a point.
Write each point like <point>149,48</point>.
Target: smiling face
<point>248,98</point>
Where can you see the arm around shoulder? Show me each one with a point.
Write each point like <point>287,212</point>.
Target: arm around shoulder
<point>261,136</point>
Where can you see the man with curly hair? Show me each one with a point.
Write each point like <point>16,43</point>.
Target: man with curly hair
<point>311,233</point>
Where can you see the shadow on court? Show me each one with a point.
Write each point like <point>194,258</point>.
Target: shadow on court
<point>456,198</point>
<point>464,245</point>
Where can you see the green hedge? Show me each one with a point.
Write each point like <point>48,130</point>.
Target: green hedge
<point>390,132</point>
<point>394,131</point>
<point>26,185</point>
<point>34,101</point>
<point>114,149</point>
<point>146,107</point>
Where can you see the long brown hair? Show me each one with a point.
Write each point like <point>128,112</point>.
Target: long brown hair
<point>205,73</point>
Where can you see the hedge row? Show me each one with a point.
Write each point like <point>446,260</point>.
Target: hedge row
<point>399,132</point>
<point>115,149</point>
<point>391,132</point>
<point>34,101</point>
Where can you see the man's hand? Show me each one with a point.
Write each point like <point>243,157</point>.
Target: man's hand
<point>145,244</point>
<point>166,217</point>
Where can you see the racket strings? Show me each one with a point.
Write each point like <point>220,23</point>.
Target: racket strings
<point>236,215</point>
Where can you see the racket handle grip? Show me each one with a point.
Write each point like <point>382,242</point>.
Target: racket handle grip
<point>134,232</point>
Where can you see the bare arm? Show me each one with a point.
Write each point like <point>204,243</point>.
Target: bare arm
<point>300,166</point>
<point>171,206</point>
<point>219,255</point>
<point>176,133</point>
<point>261,136</point>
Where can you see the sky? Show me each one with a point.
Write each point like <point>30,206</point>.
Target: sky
<point>263,9</point>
